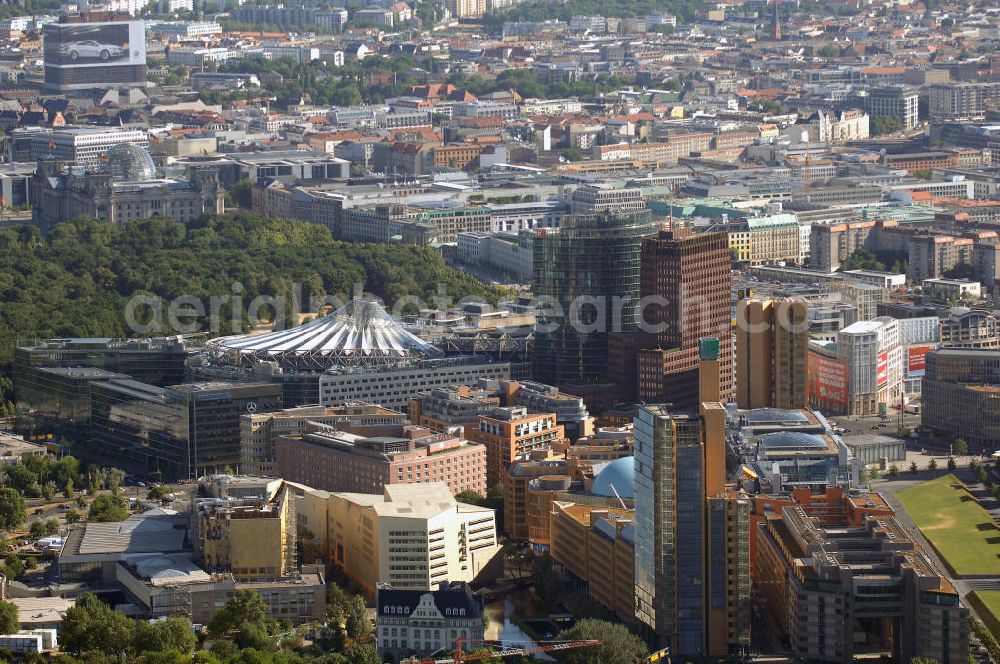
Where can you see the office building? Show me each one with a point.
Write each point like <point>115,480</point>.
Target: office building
<point>760,240</point>
<point>337,460</point>
<point>259,431</point>
<point>786,449</point>
<point>581,268</point>
<point>511,432</point>
<point>393,387</point>
<point>874,361</point>
<point>900,102</point>
<point>861,372</point>
<point>570,410</point>
<point>838,590</point>
<point>517,494</point>
<point>962,102</point>
<point>969,328</point>
<point>832,505</point>
<point>414,537</point>
<point>685,517</point>
<point>58,398</point>
<point>82,56</point>
<point>213,412</point>
<point>421,622</point>
<point>535,482</point>
<point>155,360</point>
<point>772,343</point>
<point>597,546</point>
<point>787,459</point>
<point>461,405</point>
<point>961,398</point>
<point>454,406</point>
<point>690,275</point>
<point>176,432</point>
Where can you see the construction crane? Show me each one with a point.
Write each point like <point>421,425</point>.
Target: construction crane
<point>458,657</point>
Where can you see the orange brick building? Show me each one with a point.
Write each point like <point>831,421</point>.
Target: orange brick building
<point>509,433</point>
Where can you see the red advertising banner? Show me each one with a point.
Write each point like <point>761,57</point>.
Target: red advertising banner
<point>827,380</point>
<point>882,369</point>
<point>917,358</point>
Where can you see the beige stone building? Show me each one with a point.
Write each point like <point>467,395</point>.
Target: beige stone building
<point>412,536</point>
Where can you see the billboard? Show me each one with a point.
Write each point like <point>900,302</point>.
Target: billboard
<point>90,44</point>
<point>916,358</point>
<point>882,369</point>
<point>827,380</point>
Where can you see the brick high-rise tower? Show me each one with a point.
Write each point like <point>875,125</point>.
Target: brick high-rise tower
<point>691,273</point>
<point>772,346</point>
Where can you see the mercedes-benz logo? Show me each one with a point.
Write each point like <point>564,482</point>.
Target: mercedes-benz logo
<point>251,407</point>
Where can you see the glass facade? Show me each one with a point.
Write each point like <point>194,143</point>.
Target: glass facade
<point>134,428</point>
<point>669,518</point>
<point>670,505</point>
<point>690,548</point>
<point>213,416</point>
<point>59,398</point>
<point>158,361</point>
<point>172,433</point>
<point>589,271</point>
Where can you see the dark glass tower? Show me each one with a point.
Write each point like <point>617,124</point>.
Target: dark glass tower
<point>586,276</point>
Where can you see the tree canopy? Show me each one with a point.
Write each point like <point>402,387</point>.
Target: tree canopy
<point>108,507</point>
<point>8,618</point>
<point>13,509</point>
<point>78,279</point>
<point>91,626</point>
<point>618,645</point>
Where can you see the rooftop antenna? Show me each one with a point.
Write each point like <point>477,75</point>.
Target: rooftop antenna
<point>670,222</point>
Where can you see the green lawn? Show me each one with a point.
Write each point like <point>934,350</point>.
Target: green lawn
<point>990,600</point>
<point>963,533</point>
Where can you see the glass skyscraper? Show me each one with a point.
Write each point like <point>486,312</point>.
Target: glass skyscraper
<point>692,578</point>
<point>586,279</point>
<point>669,525</point>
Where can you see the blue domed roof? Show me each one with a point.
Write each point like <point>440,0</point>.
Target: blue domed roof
<point>620,474</point>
